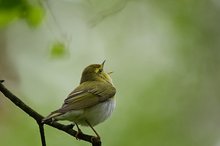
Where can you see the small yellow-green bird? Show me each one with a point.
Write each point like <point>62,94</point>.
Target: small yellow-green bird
<point>89,104</point>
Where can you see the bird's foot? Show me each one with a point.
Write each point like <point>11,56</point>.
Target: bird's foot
<point>79,132</point>
<point>95,139</point>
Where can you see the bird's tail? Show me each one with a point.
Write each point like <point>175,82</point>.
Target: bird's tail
<point>51,117</point>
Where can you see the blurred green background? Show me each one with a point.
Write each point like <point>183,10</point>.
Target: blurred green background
<point>165,56</point>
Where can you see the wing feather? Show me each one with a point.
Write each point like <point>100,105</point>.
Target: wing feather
<point>87,94</point>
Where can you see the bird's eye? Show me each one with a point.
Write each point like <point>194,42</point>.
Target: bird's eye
<point>100,70</point>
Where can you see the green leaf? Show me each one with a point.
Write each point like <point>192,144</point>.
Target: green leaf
<point>58,50</point>
<point>7,17</point>
<point>34,16</point>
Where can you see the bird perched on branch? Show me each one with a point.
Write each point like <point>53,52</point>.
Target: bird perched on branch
<point>89,104</point>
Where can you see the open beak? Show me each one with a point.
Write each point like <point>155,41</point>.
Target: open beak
<point>102,66</point>
<point>103,63</point>
<point>109,73</point>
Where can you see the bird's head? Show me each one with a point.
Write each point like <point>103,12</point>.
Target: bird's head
<point>95,72</point>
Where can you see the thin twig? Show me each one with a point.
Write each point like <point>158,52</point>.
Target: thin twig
<point>42,135</point>
<point>32,113</point>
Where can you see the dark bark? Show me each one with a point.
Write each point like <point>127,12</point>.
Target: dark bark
<point>38,118</point>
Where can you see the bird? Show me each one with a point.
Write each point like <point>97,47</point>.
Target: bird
<point>91,102</point>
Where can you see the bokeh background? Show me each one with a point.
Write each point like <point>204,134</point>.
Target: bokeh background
<point>165,56</point>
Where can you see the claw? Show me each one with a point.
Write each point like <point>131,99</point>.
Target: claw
<point>79,132</point>
<point>95,139</point>
<point>78,135</point>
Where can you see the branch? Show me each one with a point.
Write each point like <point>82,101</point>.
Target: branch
<point>38,118</point>
<point>42,136</point>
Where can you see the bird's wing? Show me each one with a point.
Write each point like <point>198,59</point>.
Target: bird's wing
<point>88,94</point>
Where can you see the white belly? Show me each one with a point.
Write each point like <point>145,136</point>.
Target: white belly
<point>95,114</point>
<point>100,112</point>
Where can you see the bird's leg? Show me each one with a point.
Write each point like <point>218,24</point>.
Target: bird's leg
<point>93,129</point>
<point>79,131</point>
